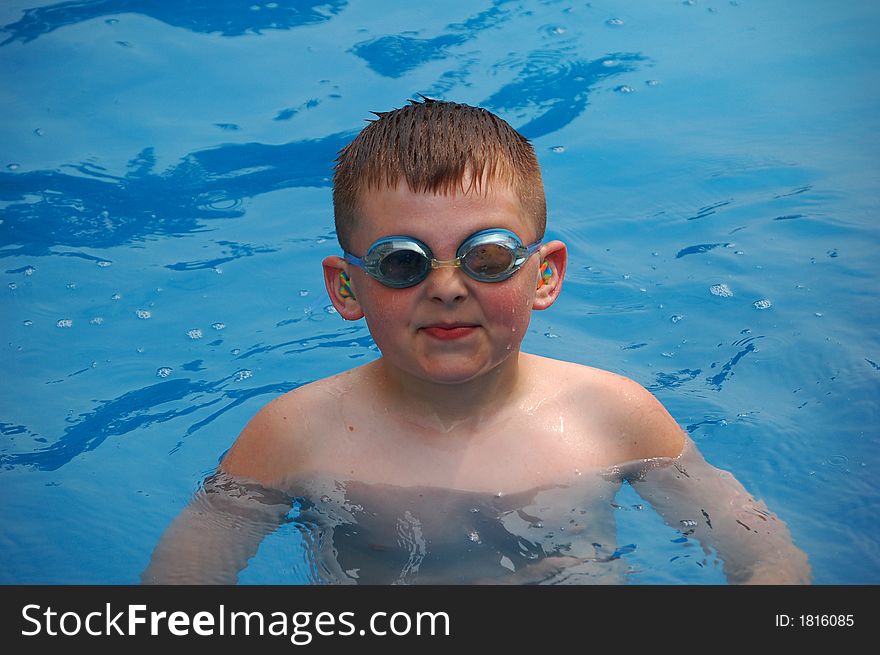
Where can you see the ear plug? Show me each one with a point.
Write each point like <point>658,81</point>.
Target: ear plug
<point>546,274</point>
<point>345,286</point>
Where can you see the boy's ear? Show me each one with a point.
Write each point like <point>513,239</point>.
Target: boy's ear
<point>340,288</point>
<point>550,282</point>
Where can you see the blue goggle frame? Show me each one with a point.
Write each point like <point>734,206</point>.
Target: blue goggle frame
<point>399,262</point>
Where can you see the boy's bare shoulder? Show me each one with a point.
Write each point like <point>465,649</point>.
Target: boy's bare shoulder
<point>614,408</point>
<point>279,440</point>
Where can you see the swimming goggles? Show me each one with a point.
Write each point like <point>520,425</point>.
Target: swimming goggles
<point>399,262</point>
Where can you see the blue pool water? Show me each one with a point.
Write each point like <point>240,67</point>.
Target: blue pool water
<point>165,194</point>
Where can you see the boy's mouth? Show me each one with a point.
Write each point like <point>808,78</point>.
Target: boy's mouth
<point>448,331</point>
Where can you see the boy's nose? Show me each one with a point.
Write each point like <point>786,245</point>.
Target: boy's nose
<point>446,285</point>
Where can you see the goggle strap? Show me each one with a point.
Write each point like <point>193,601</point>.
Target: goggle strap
<point>351,259</point>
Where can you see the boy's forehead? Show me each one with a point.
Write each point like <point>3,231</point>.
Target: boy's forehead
<point>401,210</point>
<point>402,202</point>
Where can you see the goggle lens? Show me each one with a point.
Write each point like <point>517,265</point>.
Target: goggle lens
<point>404,266</point>
<point>488,260</point>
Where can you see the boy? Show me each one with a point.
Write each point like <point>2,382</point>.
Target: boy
<point>455,457</point>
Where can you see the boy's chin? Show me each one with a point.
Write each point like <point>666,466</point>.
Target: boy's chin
<point>451,371</point>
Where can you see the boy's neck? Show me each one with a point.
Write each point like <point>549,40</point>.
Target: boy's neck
<point>445,408</point>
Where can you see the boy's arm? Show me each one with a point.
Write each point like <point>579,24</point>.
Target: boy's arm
<point>213,538</point>
<point>668,471</point>
<point>712,506</point>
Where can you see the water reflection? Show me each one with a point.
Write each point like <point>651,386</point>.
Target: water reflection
<point>393,56</point>
<point>557,84</point>
<point>226,17</point>
<point>90,208</point>
<point>141,408</point>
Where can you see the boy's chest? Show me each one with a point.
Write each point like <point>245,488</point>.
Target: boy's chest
<point>507,457</point>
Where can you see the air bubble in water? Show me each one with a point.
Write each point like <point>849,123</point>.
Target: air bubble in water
<point>675,318</point>
<point>614,21</point>
<point>27,322</point>
<point>474,536</point>
<point>688,523</point>
<point>624,88</point>
<point>164,371</point>
<point>115,296</point>
<point>764,303</point>
<point>195,333</point>
<point>64,322</point>
<point>721,290</point>
<point>243,374</point>
<point>104,263</point>
<point>12,285</point>
<point>71,285</point>
<point>303,293</point>
<point>557,149</point>
<point>12,167</point>
<point>330,309</point>
<point>218,326</point>
<point>652,82</point>
<point>97,321</point>
<point>143,314</point>
<point>550,335</point>
<point>29,270</point>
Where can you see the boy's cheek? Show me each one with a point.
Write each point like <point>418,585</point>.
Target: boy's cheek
<point>510,311</point>
<point>386,313</point>
<point>378,301</point>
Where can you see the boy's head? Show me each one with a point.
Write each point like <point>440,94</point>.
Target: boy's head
<point>440,211</point>
<point>436,147</point>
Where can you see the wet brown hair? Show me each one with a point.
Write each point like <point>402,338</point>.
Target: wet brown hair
<point>436,147</point>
